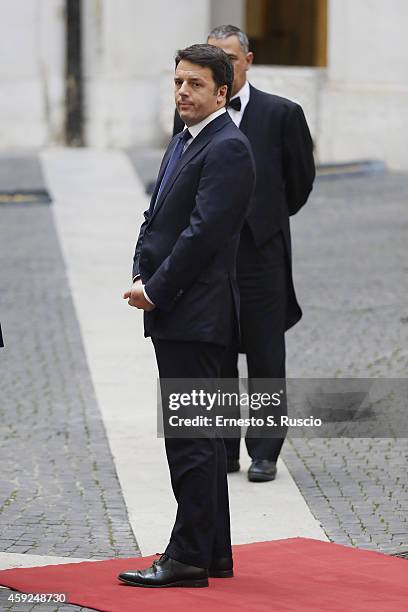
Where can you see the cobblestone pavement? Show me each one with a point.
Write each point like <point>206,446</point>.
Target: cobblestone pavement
<point>59,491</point>
<point>350,252</point>
<point>350,267</point>
<point>6,605</point>
<point>350,264</point>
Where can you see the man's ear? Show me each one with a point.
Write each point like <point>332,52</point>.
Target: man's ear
<point>222,91</point>
<point>249,59</point>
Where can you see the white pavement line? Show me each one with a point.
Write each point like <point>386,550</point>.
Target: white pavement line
<point>11,560</point>
<point>98,201</point>
<point>269,510</point>
<point>98,204</point>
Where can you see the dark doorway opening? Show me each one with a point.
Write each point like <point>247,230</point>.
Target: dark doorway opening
<point>288,32</point>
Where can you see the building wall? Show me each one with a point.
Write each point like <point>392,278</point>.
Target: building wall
<point>127,46</point>
<point>364,104</point>
<point>31,72</point>
<point>357,107</point>
<point>227,12</point>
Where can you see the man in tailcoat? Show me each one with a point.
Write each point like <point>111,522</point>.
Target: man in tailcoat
<point>283,149</point>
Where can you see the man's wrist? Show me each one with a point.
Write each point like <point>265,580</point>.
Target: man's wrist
<point>147,297</point>
<point>137,277</point>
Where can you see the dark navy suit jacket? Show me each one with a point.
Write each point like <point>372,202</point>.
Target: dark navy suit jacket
<point>187,246</point>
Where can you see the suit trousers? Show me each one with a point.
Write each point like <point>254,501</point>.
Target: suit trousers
<point>262,279</point>
<point>198,466</point>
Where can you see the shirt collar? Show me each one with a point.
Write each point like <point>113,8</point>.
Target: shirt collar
<point>196,129</point>
<point>243,93</point>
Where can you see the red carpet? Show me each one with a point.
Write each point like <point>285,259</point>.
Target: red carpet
<point>295,575</point>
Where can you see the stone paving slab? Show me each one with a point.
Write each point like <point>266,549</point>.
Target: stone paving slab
<point>21,171</point>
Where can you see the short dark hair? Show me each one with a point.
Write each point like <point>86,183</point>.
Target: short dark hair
<point>211,57</point>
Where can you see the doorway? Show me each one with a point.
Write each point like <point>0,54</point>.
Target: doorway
<point>288,32</point>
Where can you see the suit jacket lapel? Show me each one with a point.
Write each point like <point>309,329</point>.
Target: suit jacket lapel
<point>194,148</point>
<point>249,118</point>
<point>162,170</point>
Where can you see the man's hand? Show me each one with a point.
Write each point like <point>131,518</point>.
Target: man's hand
<point>136,297</point>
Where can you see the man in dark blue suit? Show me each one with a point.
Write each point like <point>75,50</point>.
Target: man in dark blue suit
<point>184,279</point>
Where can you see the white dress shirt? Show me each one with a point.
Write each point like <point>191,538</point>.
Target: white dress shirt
<point>244,94</point>
<point>194,131</point>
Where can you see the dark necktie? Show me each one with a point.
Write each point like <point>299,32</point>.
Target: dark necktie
<point>235,104</point>
<point>174,159</point>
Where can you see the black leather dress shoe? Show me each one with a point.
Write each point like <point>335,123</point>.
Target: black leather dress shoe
<point>221,568</point>
<point>262,470</point>
<point>167,572</point>
<point>233,465</point>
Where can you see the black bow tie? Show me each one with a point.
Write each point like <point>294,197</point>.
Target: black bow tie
<point>235,104</point>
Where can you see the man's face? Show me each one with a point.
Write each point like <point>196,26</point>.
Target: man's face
<point>240,60</point>
<point>196,94</point>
